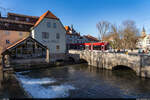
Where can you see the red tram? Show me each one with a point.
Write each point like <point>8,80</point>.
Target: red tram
<point>89,46</point>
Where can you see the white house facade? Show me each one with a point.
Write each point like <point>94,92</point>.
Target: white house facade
<point>50,32</point>
<point>144,41</point>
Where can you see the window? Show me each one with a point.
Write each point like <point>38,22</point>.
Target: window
<point>7,41</point>
<point>48,24</point>
<point>17,18</point>
<point>6,24</point>
<point>45,35</point>
<point>20,33</point>
<point>57,36</point>
<point>27,19</point>
<point>7,32</point>
<point>20,26</point>
<point>147,41</point>
<point>57,47</point>
<point>54,25</point>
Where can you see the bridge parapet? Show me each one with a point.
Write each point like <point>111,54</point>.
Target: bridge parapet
<point>139,63</point>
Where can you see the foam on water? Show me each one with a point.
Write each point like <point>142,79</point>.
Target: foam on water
<point>36,90</point>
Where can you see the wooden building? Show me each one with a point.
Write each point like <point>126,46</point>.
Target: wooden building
<point>24,51</point>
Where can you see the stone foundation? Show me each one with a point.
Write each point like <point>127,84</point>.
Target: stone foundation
<point>57,56</point>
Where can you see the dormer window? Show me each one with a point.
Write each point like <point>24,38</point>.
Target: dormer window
<point>54,25</point>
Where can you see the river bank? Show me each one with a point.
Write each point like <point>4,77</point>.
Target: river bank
<point>11,88</point>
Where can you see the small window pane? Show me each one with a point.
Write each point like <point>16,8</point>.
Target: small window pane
<point>20,26</point>
<point>17,18</point>
<point>27,19</point>
<point>20,33</point>
<point>57,47</point>
<point>6,24</point>
<point>45,35</point>
<point>54,25</point>
<point>48,24</point>
<point>57,36</point>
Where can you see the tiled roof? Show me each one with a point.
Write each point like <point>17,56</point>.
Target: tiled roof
<point>48,14</point>
<point>67,28</point>
<point>16,43</point>
<point>91,38</point>
<point>19,41</point>
<point>21,15</point>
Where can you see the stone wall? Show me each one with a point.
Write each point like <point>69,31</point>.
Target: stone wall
<point>139,63</point>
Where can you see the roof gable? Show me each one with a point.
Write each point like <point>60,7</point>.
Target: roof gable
<point>48,14</point>
<point>20,41</point>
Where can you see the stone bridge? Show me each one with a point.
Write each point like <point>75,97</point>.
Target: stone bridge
<point>138,63</point>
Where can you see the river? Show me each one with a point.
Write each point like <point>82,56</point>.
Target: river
<point>83,81</point>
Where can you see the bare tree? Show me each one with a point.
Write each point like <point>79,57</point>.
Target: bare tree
<point>130,34</point>
<point>103,28</point>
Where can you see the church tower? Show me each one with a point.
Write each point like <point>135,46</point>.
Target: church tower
<point>143,32</point>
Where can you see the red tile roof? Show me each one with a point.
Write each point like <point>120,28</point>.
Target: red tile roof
<point>67,28</point>
<point>91,38</point>
<point>48,14</point>
<point>16,43</point>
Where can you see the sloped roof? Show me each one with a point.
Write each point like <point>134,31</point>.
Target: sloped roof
<point>67,28</point>
<point>22,15</point>
<point>20,41</point>
<point>91,38</point>
<point>48,14</point>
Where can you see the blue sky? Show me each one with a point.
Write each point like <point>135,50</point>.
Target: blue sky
<point>85,14</point>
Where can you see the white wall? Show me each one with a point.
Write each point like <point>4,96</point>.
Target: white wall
<point>52,41</point>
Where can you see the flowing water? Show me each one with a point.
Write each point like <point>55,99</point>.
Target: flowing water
<point>83,81</point>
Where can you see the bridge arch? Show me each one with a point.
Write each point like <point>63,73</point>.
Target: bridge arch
<point>71,59</point>
<point>124,67</point>
<point>83,60</point>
